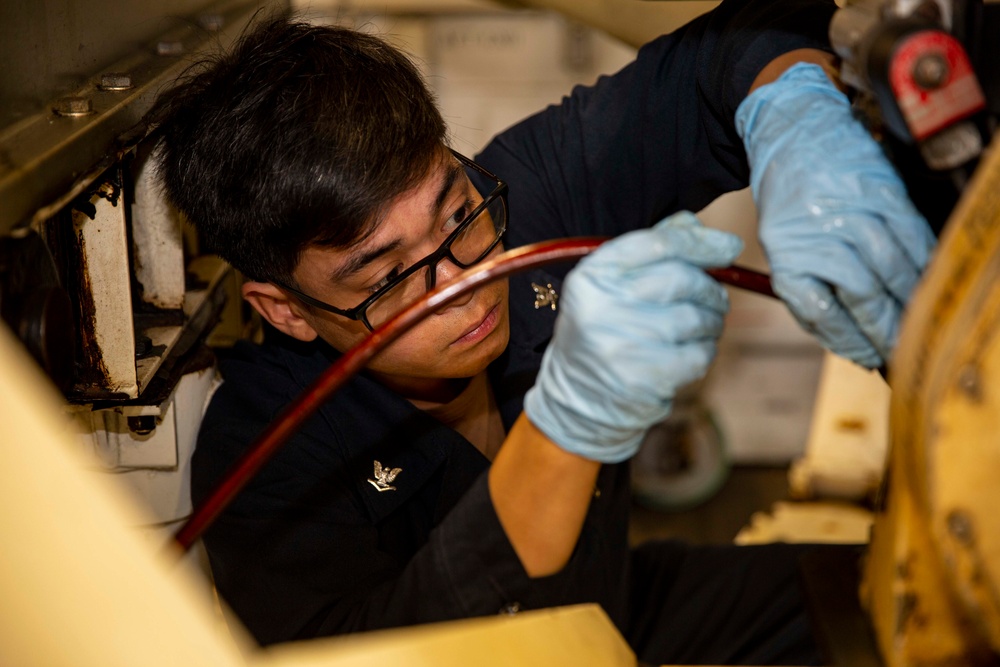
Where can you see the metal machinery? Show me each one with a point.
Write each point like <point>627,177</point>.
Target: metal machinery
<point>101,279</point>
<point>105,288</point>
<point>926,74</point>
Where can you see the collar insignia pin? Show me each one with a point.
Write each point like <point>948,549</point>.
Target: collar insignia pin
<point>384,478</point>
<point>545,296</point>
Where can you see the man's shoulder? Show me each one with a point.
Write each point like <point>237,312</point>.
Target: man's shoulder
<point>254,375</point>
<point>260,380</point>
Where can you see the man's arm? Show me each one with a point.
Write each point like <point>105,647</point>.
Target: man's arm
<point>540,491</point>
<point>638,319</point>
<point>845,244</point>
<point>777,67</point>
<point>656,137</point>
<point>541,494</point>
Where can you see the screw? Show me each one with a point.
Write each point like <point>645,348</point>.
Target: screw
<point>115,81</point>
<point>73,106</point>
<point>930,71</point>
<point>211,22</point>
<point>169,48</point>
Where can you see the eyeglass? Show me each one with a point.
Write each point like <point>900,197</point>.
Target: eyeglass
<point>470,243</point>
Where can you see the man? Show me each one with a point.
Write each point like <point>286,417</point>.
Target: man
<point>314,160</point>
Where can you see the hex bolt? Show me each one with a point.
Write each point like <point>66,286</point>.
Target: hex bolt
<point>167,48</point>
<point>73,106</point>
<point>141,425</point>
<point>930,72</point>
<point>211,22</point>
<point>143,346</point>
<point>115,81</point>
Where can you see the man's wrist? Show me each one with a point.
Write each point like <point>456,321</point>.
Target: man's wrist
<point>777,67</point>
<point>541,494</point>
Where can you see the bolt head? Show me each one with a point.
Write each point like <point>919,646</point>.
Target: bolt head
<point>115,81</point>
<point>931,71</point>
<point>141,425</point>
<point>73,106</point>
<point>211,22</point>
<point>169,48</point>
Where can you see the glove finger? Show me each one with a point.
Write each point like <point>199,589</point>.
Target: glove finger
<point>868,185</point>
<point>641,353</point>
<point>878,318</point>
<point>651,286</point>
<point>859,253</point>
<point>691,361</point>
<point>909,227</point>
<point>817,309</point>
<point>657,372</point>
<point>885,257</point>
<point>673,325</point>
<point>679,236</point>
<point>846,281</point>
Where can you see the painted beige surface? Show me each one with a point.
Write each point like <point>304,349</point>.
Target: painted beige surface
<point>79,587</point>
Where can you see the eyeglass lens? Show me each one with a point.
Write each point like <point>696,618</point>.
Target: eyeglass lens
<point>469,247</point>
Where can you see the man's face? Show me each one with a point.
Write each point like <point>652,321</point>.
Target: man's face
<point>457,341</point>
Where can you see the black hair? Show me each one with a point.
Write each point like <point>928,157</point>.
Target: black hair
<point>300,135</point>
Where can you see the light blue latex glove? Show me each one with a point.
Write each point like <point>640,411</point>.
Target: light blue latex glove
<point>637,320</point>
<point>845,244</point>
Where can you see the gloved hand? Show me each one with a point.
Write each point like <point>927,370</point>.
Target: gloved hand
<point>845,244</point>
<point>638,319</point>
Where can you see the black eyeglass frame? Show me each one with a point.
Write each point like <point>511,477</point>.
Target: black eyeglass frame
<point>360,312</point>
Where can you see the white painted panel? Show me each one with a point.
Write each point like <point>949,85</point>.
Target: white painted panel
<point>157,240</point>
<point>105,251</point>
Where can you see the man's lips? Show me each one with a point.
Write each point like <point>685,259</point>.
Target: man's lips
<point>482,328</point>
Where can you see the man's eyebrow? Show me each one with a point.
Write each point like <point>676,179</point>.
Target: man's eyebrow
<point>454,171</point>
<point>357,261</point>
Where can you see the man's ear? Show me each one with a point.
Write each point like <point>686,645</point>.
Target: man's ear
<point>275,307</point>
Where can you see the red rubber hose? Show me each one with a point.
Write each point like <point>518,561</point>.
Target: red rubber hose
<point>352,361</point>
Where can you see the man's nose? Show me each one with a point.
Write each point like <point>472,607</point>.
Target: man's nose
<point>446,271</point>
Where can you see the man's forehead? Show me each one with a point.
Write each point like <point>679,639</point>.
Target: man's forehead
<point>411,209</point>
<point>411,206</point>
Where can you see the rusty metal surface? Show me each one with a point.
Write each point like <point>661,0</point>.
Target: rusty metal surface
<point>102,267</point>
<point>933,579</point>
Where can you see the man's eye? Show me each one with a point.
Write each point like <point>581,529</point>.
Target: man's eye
<point>388,278</point>
<point>459,216</point>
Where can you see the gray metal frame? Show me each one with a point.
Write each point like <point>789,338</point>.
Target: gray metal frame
<point>51,155</point>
